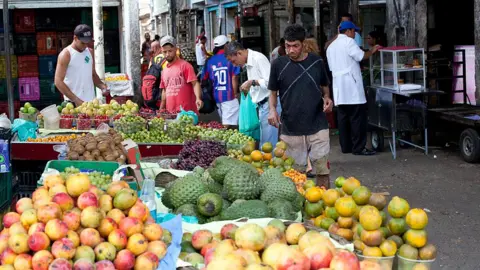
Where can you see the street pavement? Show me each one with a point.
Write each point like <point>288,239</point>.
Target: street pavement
<point>440,182</point>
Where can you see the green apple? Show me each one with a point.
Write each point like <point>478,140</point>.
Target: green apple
<point>32,110</point>
<point>27,105</point>
<point>23,110</point>
<point>59,109</point>
<point>69,106</point>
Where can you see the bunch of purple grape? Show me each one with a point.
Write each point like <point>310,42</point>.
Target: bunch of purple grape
<point>199,153</point>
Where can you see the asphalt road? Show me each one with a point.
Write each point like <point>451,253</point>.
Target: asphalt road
<point>441,182</point>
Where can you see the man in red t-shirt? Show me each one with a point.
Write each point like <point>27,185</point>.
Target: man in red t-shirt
<point>179,83</point>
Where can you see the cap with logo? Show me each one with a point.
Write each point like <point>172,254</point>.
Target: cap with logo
<point>168,40</point>
<point>84,33</point>
<point>221,40</point>
<point>348,25</point>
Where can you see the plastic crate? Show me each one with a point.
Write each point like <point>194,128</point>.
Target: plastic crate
<point>29,88</point>
<point>3,89</point>
<point>112,69</point>
<point>47,43</point>
<point>24,20</point>
<point>48,90</point>
<point>45,19</point>
<point>110,18</point>
<point>14,67</point>
<point>5,190</point>
<point>25,44</point>
<point>84,166</point>
<point>112,48</point>
<point>27,66</point>
<point>2,44</point>
<point>64,39</point>
<point>25,180</point>
<point>68,19</point>
<point>47,65</point>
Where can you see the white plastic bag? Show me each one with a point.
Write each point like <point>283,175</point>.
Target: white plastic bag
<point>5,122</point>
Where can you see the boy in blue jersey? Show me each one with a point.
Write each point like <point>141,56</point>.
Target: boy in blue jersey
<point>224,77</point>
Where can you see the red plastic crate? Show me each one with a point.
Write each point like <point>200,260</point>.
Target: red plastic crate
<point>24,20</point>
<point>4,107</point>
<point>47,43</point>
<point>29,89</point>
<point>27,66</point>
<point>64,39</point>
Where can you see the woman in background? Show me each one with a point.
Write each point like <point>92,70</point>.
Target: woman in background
<point>311,46</point>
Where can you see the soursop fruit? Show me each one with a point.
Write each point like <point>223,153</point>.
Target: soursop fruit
<point>191,211</point>
<point>167,202</point>
<point>282,209</point>
<point>298,202</point>
<point>241,183</point>
<point>247,209</point>
<point>187,190</point>
<point>268,176</point>
<point>221,166</point>
<point>281,188</point>
<point>225,204</point>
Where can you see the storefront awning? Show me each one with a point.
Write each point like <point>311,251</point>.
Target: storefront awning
<point>371,2</point>
<point>14,4</point>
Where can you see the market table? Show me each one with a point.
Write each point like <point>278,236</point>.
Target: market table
<point>45,152</point>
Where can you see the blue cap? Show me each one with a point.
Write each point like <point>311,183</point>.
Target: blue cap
<point>348,25</point>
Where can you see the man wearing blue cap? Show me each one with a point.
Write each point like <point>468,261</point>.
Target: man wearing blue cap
<point>344,58</point>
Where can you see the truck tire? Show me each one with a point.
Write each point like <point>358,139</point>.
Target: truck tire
<point>470,145</point>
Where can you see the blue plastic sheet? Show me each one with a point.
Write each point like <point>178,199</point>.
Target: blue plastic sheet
<point>169,262</point>
<point>25,129</point>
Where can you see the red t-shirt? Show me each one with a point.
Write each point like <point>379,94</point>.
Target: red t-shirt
<point>176,80</point>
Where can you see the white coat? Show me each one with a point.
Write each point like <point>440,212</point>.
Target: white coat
<point>344,58</point>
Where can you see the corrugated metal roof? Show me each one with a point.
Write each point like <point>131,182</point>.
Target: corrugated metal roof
<point>57,3</point>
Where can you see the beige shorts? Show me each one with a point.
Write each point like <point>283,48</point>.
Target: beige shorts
<point>316,147</point>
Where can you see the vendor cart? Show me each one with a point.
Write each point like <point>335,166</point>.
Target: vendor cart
<point>398,98</point>
<point>462,123</point>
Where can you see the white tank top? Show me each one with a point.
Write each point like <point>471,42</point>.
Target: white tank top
<point>199,54</point>
<point>79,74</point>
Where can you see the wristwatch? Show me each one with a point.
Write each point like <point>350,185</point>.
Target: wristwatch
<point>254,83</point>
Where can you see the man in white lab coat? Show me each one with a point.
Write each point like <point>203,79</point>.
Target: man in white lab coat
<point>344,58</point>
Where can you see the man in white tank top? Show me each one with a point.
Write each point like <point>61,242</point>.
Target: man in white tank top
<point>201,53</point>
<point>75,76</point>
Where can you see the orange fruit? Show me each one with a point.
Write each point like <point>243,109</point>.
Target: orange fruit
<point>278,152</point>
<point>330,196</point>
<point>427,252</point>
<point>397,226</point>
<point>416,238</point>
<point>370,219</point>
<point>345,206</point>
<point>256,156</point>
<point>416,219</point>
<point>281,145</point>
<point>388,248</point>
<point>314,194</point>
<point>267,147</point>
<point>361,195</point>
<point>267,156</point>
<point>372,252</point>
<point>331,213</point>
<point>318,221</point>
<point>350,185</point>
<point>398,207</point>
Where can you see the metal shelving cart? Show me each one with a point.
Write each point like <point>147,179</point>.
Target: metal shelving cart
<point>398,97</point>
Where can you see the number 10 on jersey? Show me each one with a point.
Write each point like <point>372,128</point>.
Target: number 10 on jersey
<point>221,76</point>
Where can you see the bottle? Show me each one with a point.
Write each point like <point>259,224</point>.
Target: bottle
<point>148,196</point>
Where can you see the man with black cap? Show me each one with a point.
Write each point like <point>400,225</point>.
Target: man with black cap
<point>344,58</point>
<point>75,76</point>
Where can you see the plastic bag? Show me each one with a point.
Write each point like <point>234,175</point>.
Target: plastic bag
<point>248,120</point>
<point>25,129</point>
<point>173,251</point>
<point>189,113</point>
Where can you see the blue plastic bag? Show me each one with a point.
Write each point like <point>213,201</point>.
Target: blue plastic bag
<point>189,113</point>
<point>175,227</point>
<point>25,129</point>
<point>248,122</point>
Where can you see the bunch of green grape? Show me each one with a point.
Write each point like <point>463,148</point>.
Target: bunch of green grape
<point>100,180</point>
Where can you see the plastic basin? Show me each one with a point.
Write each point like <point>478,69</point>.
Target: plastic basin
<point>50,112</point>
<point>385,263</point>
<point>52,123</point>
<point>409,264</point>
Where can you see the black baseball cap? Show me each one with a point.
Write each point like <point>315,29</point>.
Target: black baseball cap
<point>84,33</point>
